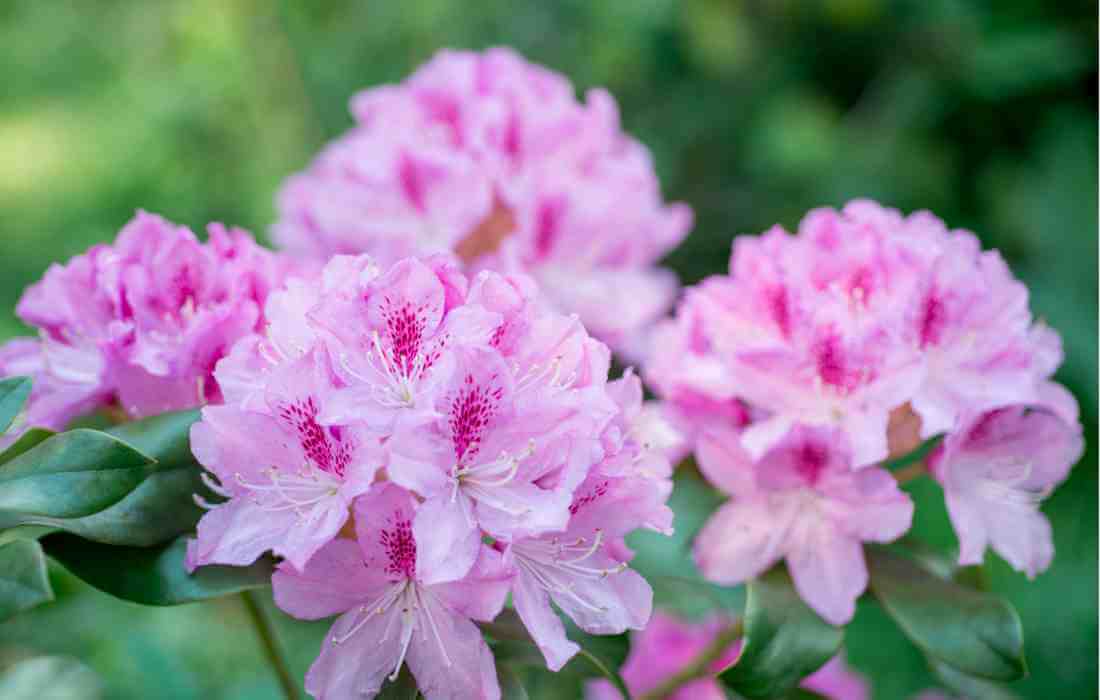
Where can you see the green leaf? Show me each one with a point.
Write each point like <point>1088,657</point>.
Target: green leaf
<point>152,575</point>
<point>50,678</point>
<point>784,641</point>
<point>159,508</point>
<point>972,631</point>
<point>513,645</point>
<point>969,686</point>
<point>68,475</point>
<point>13,394</point>
<point>23,580</point>
<point>404,688</point>
<point>26,441</point>
<point>511,686</point>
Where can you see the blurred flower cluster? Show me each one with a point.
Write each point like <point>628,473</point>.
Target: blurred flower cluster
<point>823,355</point>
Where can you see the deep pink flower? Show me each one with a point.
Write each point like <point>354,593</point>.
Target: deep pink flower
<point>995,471</point>
<point>494,158</point>
<point>390,615</point>
<point>141,322</point>
<point>801,502</point>
<point>837,681</point>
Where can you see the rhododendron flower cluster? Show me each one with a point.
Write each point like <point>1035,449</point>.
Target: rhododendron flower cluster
<point>495,159</point>
<point>415,446</point>
<point>825,353</point>
<point>140,324</point>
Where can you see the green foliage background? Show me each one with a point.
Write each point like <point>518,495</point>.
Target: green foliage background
<point>755,112</point>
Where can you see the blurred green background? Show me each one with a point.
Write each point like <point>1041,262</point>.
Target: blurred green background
<point>755,112</point>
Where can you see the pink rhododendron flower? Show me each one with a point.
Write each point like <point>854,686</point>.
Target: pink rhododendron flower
<point>670,644</point>
<point>863,315</point>
<point>583,570</point>
<point>495,159</point>
<point>389,614</point>
<point>801,502</point>
<point>448,413</point>
<point>289,481</point>
<point>995,471</point>
<point>664,647</point>
<point>140,323</point>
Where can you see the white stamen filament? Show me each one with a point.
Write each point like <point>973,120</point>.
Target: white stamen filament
<point>548,562</point>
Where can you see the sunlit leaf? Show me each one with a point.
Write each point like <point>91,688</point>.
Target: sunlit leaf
<point>155,509</point>
<point>50,678</point>
<point>972,631</point>
<point>69,475</point>
<point>784,641</point>
<point>152,575</point>
<point>23,580</point>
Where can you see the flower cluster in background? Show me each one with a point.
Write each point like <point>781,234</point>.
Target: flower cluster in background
<point>495,159</point>
<point>139,325</point>
<point>825,353</point>
<point>414,446</point>
<point>670,643</point>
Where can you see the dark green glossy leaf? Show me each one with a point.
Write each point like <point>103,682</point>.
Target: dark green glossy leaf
<point>13,394</point>
<point>974,632</point>
<point>25,442</point>
<point>969,686</point>
<point>784,641</point>
<point>152,575</point>
<point>50,678</point>
<point>23,580</point>
<point>69,475</point>
<point>160,507</point>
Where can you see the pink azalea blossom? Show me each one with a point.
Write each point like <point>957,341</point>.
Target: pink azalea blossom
<point>583,570</point>
<point>801,502</point>
<point>140,323</point>
<point>495,159</point>
<point>863,314</point>
<point>995,471</point>
<point>669,644</point>
<point>390,615</point>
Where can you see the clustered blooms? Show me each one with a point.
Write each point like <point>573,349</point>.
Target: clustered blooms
<point>495,159</point>
<point>825,353</point>
<point>139,325</point>
<point>669,644</point>
<point>415,447</point>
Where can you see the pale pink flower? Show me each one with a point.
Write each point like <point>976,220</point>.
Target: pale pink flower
<point>289,481</point>
<point>390,615</point>
<point>495,159</point>
<point>583,570</point>
<point>142,322</point>
<point>995,471</point>
<point>669,644</point>
<point>837,681</point>
<point>801,502</point>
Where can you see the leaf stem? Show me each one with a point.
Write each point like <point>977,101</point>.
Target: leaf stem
<point>700,667</point>
<point>909,473</point>
<point>265,630</point>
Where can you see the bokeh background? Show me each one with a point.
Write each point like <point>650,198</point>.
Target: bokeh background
<point>755,111</point>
